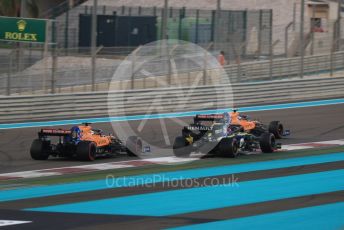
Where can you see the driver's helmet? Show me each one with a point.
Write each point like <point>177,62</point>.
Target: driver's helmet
<point>75,133</point>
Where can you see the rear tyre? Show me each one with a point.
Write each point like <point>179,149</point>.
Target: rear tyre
<point>181,148</point>
<point>228,147</point>
<point>267,143</point>
<point>134,146</point>
<point>86,151</point>
<point>276,128</point>
<point>40,150</point>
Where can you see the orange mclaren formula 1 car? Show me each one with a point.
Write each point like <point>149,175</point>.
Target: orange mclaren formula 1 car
<point>83,143</point>
<point>256,127</point>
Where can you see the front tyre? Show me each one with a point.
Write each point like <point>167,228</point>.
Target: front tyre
<point>228,147</point>
<point>134,146</point>
<point>267,142</point>
<point>39,149</point>
<point>276,128</point>
<point>86,151</point>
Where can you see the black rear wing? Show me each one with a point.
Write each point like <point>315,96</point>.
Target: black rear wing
<point>209,117</point>
<point>54,132</point>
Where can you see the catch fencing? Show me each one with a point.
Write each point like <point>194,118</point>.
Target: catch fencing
<point>74,73</point>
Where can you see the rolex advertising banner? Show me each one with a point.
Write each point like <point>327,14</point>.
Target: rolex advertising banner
<point>22,29</point>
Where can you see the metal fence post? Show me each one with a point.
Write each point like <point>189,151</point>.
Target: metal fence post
<point>238,62</point>
<point>133,63</point>
<point>270,32</point>
<point>162,24</point>
<point>170,58</point>
<point>53,69</point>
<point>66,28</point>
<point>8,93</point>
<point>205,63</point>
<point>271,57</point>
<point>333,46</point>
<point>286,38</point>
<point>213,16</point>
<point>94,42</point>
<point>271,61</point>
<point>45,54</point>
<point>54,64</point>
<point>132,84</point>
<point>338,26</point>
<point>331,59</point>
<point>181,16</point>
<point>244,49</point>
<point>302,37</point>
<point>294,16</point>
<point>165,20</point>
<point>154,11</point>
<point>197,27</point>
<point>260,27</point>
<point>312,29</point>
<point>217,23</point>
<point>237,58</point>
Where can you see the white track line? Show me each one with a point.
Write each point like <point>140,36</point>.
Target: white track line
<point>12,222</point>
<point>141,162</point>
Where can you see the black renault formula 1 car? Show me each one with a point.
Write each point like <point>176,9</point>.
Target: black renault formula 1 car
<point>214,134</point>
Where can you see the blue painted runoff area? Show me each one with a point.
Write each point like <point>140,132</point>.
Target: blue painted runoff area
<point>172,115</point>
<point>60,189</point>
<point>210,197</point>
<point>328,216</point>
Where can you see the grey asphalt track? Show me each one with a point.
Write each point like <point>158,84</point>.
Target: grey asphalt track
<point>307,125</point>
